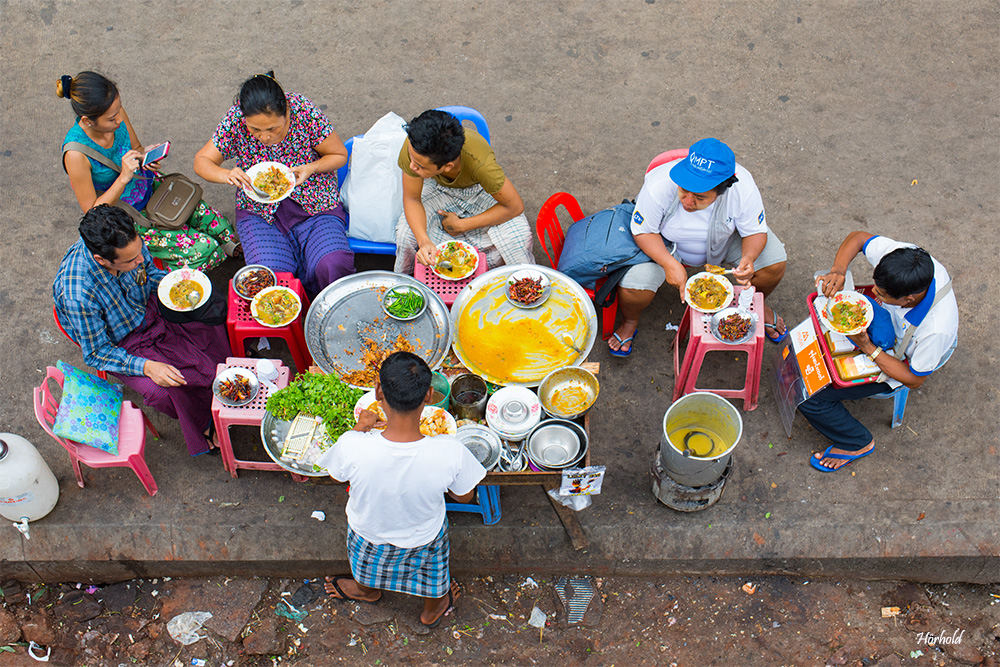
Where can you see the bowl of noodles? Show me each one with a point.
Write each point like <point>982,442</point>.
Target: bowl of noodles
<point>707,292</point>
<point>276,306</point>
<point>273,178</point>
<point>184,289</point>
<point>847,312</point>
<point>462,257</point>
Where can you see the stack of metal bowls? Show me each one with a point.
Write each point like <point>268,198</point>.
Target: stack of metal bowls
<point>555,444</point>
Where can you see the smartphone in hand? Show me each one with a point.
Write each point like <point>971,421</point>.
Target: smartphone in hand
<point>156,153</point>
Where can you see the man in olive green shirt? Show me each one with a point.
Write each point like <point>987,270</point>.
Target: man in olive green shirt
<point>453,189</point>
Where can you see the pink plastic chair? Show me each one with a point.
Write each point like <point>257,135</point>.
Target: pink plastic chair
<point>665,157</point>
<point>132,427</point>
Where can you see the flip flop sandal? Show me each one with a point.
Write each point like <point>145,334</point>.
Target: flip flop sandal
<point>828,454</point>
<point>621,341</point>
<point>774,326</point>
<point>451,607</point>
<point>344,596</point>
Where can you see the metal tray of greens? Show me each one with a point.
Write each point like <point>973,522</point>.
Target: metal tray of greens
<point>349,310</point>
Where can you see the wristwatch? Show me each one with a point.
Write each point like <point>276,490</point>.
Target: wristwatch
<point>874,355</point>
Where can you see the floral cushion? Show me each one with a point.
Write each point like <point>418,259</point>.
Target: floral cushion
<point>89,410</point>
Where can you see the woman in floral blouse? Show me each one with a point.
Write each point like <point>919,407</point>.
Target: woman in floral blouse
<point>305,233</point>
<point>104,127</point>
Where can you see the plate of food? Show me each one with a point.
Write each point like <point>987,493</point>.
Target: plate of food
<point>527,288</point>
<point>707,292</point>
<point>456,260</point>
<point>253,278</point>
<point>733,326</point>
<point>274,178</point>
<point>276,306</point>
<point>847,312</point>
<point>404,302</point>
<point>236,386</point>
<point>184,289</point>
<point>433,420</point>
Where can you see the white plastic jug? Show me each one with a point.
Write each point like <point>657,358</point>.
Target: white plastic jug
<point>28,489</point>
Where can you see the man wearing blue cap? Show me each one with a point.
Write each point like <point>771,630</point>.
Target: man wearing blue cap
<point>703,208</point>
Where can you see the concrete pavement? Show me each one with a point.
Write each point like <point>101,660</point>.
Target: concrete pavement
<point>874,116</point>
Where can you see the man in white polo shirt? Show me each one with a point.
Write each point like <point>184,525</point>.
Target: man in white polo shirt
<point>703,208</point>
<point>916,291</point>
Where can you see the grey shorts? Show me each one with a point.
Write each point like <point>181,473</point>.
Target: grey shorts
<point>650,275</point>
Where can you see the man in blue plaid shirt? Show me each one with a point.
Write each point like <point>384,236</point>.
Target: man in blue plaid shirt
<point>105,297</point>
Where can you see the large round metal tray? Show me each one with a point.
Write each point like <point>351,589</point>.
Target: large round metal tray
<point>272,434</point>
<point>508,345</point>
<point>331,325</point>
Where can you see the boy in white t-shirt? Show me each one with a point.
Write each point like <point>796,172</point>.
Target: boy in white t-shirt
<point>916,291</point>
<point>397,528</point>
<point>709,209</point>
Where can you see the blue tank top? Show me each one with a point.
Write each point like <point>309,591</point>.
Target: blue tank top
<point>138,190</point>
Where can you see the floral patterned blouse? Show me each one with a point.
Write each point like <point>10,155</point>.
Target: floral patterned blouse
<point>307,127</point>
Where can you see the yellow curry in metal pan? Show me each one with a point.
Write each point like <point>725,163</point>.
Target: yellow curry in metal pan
<point>510,345</point>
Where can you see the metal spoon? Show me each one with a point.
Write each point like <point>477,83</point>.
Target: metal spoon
<point>568,342</point>
<point>718,270</point>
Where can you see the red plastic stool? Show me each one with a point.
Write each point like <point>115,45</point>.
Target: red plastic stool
<point>702,341</point>
<point>447,289</point>
<point>242,325</point>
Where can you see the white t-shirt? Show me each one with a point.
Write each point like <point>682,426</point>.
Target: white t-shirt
<point>744,212</point>
<point>937,328</point>
<point>397,488</point>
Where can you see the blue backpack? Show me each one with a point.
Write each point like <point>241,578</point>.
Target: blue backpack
<point>599,245</point>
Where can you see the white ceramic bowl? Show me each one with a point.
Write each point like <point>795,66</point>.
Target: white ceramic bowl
<point>174,277</point>
<point>512,412</point>
<point>469,248</point>
<point>846,296</point>
<point>728,286</point>
<point>430,412</point>
<point>538,276</point>
<point>263,294</point>
<point>253,171</point>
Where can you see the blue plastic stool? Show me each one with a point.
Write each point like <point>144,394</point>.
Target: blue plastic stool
<point>898,396</point>
<point>902,392</point>
<point>487,504</point>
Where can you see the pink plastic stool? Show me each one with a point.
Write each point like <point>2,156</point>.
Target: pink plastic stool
<point>702,341</point>
<point>250,414</point>
<point>447,289</point>
<point>241,324</point>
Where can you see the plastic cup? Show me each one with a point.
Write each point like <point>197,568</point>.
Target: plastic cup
<point>442,389</point>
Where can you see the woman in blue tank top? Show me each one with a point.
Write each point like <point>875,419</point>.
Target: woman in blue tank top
<point>103,126</point>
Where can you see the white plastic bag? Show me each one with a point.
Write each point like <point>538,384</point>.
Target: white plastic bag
<point>184,627</point>
<point>373,189</point>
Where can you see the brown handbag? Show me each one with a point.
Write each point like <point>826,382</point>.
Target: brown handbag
<point>171,204</point>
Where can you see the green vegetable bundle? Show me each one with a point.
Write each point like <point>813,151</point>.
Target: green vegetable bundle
<point>405,303</point>
<point>325,396</point>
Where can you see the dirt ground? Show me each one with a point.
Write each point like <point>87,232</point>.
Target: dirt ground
<point>692,621</point>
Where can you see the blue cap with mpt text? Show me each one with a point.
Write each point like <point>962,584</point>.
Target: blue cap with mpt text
<point>708,163</point>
